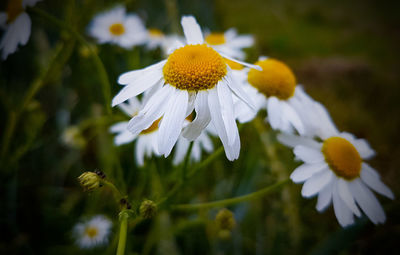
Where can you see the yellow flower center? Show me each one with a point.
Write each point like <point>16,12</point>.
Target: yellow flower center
<point>276,79</point>
<point>215,38</point>
<point>154,32</point>
<point>152,128</point>
<point>14,9</point>
<point>234,65</point>
<point>194,67</point>
<point>342,157</point>
<point>91,232</point>
<point>117,29</point>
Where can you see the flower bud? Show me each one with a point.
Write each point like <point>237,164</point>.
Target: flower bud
<point>148,209</point>
<point>225,220</point>
<point>89,181</point>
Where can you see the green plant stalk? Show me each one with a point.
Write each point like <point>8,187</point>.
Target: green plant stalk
<point>186,161</point>
<point>123,230</point>
<point>106,86</point>
<point>117,194</point>
<point>172,12</point>
<point>231,201</point>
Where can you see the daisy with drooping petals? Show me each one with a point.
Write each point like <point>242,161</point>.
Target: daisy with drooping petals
<point>194,77</point>
<point>117,27</point>
<point>93,232</point>
<point>17,25</point>
<point>334,171</point>
<point>230,43</point>
<point>274,88</point>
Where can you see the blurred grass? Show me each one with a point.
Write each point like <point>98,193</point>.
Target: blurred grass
<point>346,55</point>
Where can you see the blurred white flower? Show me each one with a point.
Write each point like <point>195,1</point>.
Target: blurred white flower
<point>230,43</point>
<point>117,27</point>
<point>194,77</point>
<point>17,25</point>
<point>93,232</point>
<point>157,39</point>
<point>334,170</point>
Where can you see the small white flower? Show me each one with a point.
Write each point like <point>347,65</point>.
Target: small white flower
<point>117,27</point>
<point>93,232</point>
<point>230,43</point>
<point>334,171</point>
<point>194,77</point>
<point>274,89</point>
<point>17,25</point>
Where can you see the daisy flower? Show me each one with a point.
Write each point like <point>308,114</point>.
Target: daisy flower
<point>230,42</point>
<point>194,77</point>
<point>335,171</point>
<point>93,232</point>
<point>274,89</point>
<point>157,39</point>
<point>17,25</point>
<point>117,27</point>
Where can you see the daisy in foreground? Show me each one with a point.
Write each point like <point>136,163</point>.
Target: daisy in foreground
<point>230,42</point>
<point>117,27</point>
<point>93,232</point>
<point>334,169</point>
<point>194,77</point>
<point>17,25</point>
<point>274,88</point>
<point>146,141</point>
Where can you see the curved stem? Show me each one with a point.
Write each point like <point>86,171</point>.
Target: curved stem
<point>231,201</point>
<point>115,191</point>
<point>123,230</point>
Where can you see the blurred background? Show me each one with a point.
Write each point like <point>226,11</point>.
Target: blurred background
<point>346,55</point>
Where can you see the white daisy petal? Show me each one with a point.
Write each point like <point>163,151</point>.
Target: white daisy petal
<point>182,146</point>
<point>342,212</point>
<point>325,196</point>
<point>370,177</point>
<point>291,115</point>
<point>131,76</point>
<point>367,202</point>
<point>203,117</point>
<point>226,108</point>
<point>239,92</point>
<point>240,62</point>
<point>292,140</point>
<point>363,147</point>
<point>274,112</point>
<point>172,122</point>
<point>140,150</point>
<point>192,30</point>
<point>346,196</point>
<point>305,171</point>
<point>316,183</point>
<point>308,154</point>
<point>124,138</point>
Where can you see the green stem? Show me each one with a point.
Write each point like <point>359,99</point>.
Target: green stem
<point>186,161</point>
<point>103,76</point>
<point>231,201</point>
<point>123,230</point>
<point>115,191</point>
<point>172,11</point>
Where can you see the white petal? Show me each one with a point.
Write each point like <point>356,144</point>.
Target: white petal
<point>153,110</point>
<point>203,117</point>
<point>290,114</point>
<point>239,92</point>
<point>172,122</point>
<point>124,138</point>
<point>192,30</point>
<point>227,111</point>
<point>307,154</point>
<point>370,177</point>
<point>274,111</point>
<point>292,140</point>
<point>368,202</point>
<point>119,127</point>
<point>182,146</point>
<point>342,212</point>
<point>316,183</point>
<point>139,150</point>
<point>325,196</point>
<point>305,171</point>
<point>241,62</point>
<point>363,147</point>
<point>131,76</point>
<point>346,196</point>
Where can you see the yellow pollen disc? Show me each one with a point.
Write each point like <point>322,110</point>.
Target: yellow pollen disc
<point>194,67</point>
<point>276,79</point>
<point>154,32</point>
<point>91,232</point>
<point>342,157</point>
<point>215,38</point>
<point>14,9</point>
<point>117,29</point>
<point>152,128</point>
<point>233,65</point>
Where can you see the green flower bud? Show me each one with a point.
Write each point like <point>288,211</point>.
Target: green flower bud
<point>225,220</point>
<point>89,181</point>
<point>148,209</point>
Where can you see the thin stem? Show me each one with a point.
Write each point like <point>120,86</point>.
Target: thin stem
<point>186,162</point>
<point>231,201</point>
<point>123,230</point>
<point>115,191</point>
<point>96,59</point>
<point>172,11</point>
